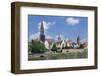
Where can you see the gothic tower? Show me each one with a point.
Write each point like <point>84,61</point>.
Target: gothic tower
<point>42,35</point>
<point>78,40</point>
<point>59,38</point>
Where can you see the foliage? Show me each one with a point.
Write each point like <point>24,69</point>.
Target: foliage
<point>54,48</point>
<point>81,46</point>
<point>37,47</point>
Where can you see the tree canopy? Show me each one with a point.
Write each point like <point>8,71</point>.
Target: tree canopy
<point>37,47</point>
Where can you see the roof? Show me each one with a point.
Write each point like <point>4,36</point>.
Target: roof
<point>50,41</point>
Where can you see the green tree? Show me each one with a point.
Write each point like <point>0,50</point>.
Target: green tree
<point>37,47</point>
<point>54,48</point>
<point>81,46</point>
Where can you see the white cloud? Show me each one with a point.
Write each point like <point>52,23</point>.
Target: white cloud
<point>84,40</point>
<point>72,21</point>
<point>34,36</point>
<point>46,25</point>
<point>50,23</point>
<point>62,37</point>
<point>48,37</point>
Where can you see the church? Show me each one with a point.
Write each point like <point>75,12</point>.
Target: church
<point>42,35</point>
<point>60,43</point>
<point>48,42</point>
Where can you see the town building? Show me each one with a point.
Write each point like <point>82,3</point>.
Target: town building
<point>60,43</point>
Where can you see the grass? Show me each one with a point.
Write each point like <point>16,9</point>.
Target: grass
<point>67,54</point>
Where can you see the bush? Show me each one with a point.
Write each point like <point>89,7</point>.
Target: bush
<point>54,48</point>
<point>81,46</point>
<point>37,47</point>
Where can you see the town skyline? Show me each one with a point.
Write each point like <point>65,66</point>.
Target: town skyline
<point>67,27</point>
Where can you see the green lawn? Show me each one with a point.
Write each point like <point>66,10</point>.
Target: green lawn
<point>65,54</point>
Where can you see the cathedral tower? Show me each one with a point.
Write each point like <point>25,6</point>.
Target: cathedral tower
<point>42,35</point>
<point>78,40</point>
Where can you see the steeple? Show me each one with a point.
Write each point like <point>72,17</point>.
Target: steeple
<point>42,28</point>
<point>78,39</point>
<point>59,38</point>
<point>42,35</point>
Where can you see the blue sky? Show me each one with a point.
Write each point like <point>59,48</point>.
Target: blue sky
<point>68,27</point>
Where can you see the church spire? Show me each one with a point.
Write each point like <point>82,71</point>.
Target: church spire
<point>78,39</point>
<point>42,35</point>
<point>42,28</point>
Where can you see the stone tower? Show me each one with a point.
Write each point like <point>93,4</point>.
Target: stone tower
<point>78,40</point>
<point>42,35</point>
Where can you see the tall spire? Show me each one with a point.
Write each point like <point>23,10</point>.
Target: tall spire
<point>59,38</point>
<point>42,28</point>
<point>78,39</point>
<point>42,36</point>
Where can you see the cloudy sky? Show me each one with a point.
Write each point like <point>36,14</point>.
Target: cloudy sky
<point>68,27</point>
